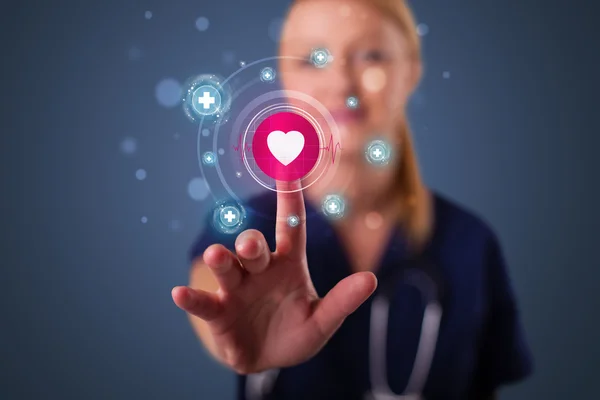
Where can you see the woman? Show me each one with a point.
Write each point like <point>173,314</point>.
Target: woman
<point>297,300</point>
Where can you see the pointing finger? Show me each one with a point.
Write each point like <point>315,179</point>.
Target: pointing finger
<point>290,230</point>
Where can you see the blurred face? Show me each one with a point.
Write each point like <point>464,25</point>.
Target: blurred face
<point>371,61</point>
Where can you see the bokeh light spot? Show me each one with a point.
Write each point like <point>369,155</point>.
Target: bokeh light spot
<point>228,57</point>
<point>168,92</point>
<point>148,14</point>
<point>140,174</point>
<point>374,79</point>
<point>221,151</point>
<point>202,24</point>
<point>134,53</point>
<point>144,220</point>
<point>275,29</point>
<point>373,220</point>
<point>175,225</point>
<point>205,132</point>
<point>198,189</point>
<point>128,146</point>
<point>446,74</point>
<point>422,29</point>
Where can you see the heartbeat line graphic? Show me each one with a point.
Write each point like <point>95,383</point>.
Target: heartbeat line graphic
<point>331,146</point>
<point>247,147</point>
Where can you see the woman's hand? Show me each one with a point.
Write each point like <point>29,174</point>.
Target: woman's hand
<point>266,313</point>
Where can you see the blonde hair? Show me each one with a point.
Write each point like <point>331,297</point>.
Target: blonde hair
<point>416,217</point>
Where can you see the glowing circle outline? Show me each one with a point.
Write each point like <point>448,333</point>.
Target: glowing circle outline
<point>218,100</point>
<point>315,103</point>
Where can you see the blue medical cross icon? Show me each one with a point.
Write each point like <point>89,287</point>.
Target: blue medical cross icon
<point>377,153</point>
<point>333,206</point>
<point>320,57</point>
<point>230,216</point>
<point>206,100</point>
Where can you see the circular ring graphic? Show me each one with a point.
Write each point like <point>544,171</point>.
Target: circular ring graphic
<point>276,109</point>
<point>261,103</point>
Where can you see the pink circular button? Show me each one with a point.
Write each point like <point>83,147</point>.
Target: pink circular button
<point>286,146</point>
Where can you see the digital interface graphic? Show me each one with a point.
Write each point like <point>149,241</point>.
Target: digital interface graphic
<point>252,134</point>
<point>285,146</point>
<point>228,110</point>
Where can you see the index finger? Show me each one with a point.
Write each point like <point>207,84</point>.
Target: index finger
<point>290,228</point>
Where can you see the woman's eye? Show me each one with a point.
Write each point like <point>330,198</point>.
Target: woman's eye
<point>305,62</point>
<point>371,56</point>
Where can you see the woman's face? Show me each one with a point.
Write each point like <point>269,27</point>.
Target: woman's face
<point>371,61</point>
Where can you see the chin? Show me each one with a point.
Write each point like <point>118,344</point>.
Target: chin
<point>352,148</point>
<point>352,136</point>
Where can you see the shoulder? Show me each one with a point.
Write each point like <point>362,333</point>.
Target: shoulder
<point>452,220</point>
<point>461,236</point>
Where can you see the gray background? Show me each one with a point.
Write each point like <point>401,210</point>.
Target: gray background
<point>85,286</point>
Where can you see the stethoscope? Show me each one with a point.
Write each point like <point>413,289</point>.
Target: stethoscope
<point>420,274</point>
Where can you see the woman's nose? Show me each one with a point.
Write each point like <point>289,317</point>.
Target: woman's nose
<point>338,81</point>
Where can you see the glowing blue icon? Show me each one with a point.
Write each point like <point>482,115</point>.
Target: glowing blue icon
<point>206,100</point>
<point>267,74</point>
<point>378,152</point>
<point>333,206</point>
<point>320,57</point>
<point>209,158</point>
<point>352,102</point>
<point>293,221</point>
<point>206,97</point>
<point>229,217</point>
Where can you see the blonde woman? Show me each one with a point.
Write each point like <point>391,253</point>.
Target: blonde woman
<point>292,310</point>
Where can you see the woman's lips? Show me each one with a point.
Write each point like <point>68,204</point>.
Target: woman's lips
<point>346,116</point>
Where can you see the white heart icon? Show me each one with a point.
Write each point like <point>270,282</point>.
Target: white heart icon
<point>285,147</point>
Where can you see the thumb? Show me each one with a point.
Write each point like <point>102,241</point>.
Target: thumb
<point>343,300</point>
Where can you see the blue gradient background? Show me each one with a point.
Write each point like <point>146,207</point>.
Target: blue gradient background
<point>85,309</point>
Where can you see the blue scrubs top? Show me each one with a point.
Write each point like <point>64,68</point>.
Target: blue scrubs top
<point>480,345</point>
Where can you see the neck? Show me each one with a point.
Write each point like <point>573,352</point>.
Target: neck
<point>364,190</point>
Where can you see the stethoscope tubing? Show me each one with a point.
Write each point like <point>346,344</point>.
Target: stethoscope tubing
<point>259,385</point>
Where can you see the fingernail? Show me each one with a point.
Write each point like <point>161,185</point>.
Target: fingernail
<point>256,248</point>
<point>250,247</point>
